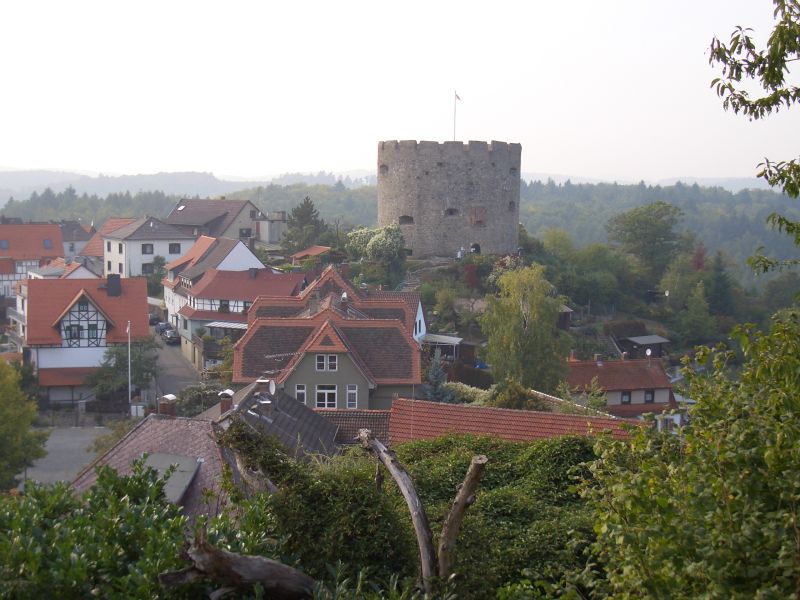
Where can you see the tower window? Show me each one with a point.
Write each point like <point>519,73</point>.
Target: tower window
<point>406,220</point>
<point>383,169</point>
<point>450,212</point>
<point>511,206</point>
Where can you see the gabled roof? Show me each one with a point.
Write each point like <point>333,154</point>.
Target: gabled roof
<point>73,231</point>
<point>349,421</point>
<point>311,251</point>
<point>422,420</point>
<point>215,215</point>
<point>614,375</point>
<point>95,245</point>
<point>382,348</point>
<point>34,241</point>
<point>195,253</point>
<point>148,228</point>
<point>49,298</point>
<point>246,285</point>
<point>167,435</point>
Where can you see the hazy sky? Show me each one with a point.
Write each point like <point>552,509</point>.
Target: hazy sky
<point>599,89</point>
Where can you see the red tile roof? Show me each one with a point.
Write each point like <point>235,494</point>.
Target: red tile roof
<point>168,435</point>
<point>422,420</point>
<point>64,376</point>
<point>211,315</point>
<point>94,247</point>
<point>632,411</point>
<point>241,285</point>
<point>311,251</point>
<point>7,266</point>
<point>49,298</point>
<point>198,249</point>
<point>349,421</point>
<point>619,374</point>
<point>27,242</point>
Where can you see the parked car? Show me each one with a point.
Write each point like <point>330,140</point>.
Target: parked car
<point>153,319</point>
<point>163,326</point>
<point>170,337</point>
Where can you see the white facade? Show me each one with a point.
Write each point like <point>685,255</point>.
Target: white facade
<point>21,268</point>
<point>419,325</point>
<point>128,258</point>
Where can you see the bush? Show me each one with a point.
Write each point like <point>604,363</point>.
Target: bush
<point>466,394</point>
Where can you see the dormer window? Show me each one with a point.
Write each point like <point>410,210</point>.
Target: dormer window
<point>48,244</point>
<point>3,244</point>
<point>147,248</point>
<point>83,305</point>
<point>224,306</point>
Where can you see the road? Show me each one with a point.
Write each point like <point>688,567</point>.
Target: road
<point>176,372</point>
<point>66,454</point>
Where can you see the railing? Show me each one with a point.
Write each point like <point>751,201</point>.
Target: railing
<point>13,313</point>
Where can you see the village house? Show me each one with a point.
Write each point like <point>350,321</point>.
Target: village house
<point>92,253</point>
<point>129,251</point>
<point>75,237</point>
<point>24,247</point>
<point>333,347</point>
<point>64,327</point>
<point>633,387</point>
<point>237,219</point>
<point>222,254</point>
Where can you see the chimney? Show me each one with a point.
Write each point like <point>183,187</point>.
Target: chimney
<point>225,401</point>
<point>114,285</point>
<point>166,405</point>
<point>313,304</point>
<point>253,272</point>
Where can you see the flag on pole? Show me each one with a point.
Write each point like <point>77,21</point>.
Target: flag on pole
<point>128,328</point>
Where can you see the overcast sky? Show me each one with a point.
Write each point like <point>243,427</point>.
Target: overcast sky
<point>611,90</point>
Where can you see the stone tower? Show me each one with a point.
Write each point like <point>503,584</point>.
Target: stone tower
<point>451,195</point>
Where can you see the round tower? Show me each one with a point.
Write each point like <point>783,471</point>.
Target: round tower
<point>449,196</point>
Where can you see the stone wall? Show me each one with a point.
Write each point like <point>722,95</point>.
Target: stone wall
<point>451,195</point>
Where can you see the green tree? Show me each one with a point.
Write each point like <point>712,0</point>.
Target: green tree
<point>743,62</point>
<point>713,512</point>
<point>648,234</point>
<point>435,388</point>
<point>304,227</point>
<point>520,324</point>
<point>720,288</point>
<point>110,381</point>
<point>154,286</point>
<point>20,444</point>
<point>194,399</point>
<point>695,322</point>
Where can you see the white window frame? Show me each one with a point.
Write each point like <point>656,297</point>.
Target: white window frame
<point>327,362</point>
<point>651,394</point>
<point>321,362</point>
<point>352,395</point>
<point>300,390</point>
<point>333,362</point>
<point>329,390</point>
<point>624,395</point>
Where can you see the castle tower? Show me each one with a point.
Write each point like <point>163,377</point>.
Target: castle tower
<point>451,195</point>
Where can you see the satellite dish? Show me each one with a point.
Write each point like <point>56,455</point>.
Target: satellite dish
<point>648,352</point>
<point>272,387</point>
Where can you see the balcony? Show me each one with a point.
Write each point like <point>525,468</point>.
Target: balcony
<point>13,313</point>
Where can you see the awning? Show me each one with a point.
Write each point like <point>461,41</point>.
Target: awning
<point>443,340</point>
<point>226,325</point>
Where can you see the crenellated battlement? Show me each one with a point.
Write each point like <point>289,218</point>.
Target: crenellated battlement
<point>446,196</point>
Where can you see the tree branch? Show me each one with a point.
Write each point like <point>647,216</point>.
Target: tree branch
<point>464,499</point>
<point>418,517</point>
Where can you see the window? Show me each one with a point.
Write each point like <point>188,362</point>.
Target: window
<point>72,246</point>
<point>406,220</point>
<point>3,244</point>
<point>326,362</point>
<point>626,397</point>
<point>300,392</point>
<point>352,395</point>
<point>245,306</point>
<point>119,247</point>
<point>146,248</point>
<point>326,395</point>
<point>92,331</point>
<point>450,212</point>
<point>245,232</point>
<point>649,396</point>
<point>48,243</point>
<point>108,270</point>
<point>147,268</point>
<point>253,213</point>
<point>184,323</point>
<point>175,248</point>
<point>72,332</point>
<point>83,305</point>
<point>119,268</point>
<point>108,246</point>
<point>224,306</point>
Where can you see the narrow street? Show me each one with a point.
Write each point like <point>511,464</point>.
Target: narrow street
<point>176,372</point>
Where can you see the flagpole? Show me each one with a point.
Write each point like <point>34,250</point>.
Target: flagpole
<point>129,366</point>
<point>455,102</point>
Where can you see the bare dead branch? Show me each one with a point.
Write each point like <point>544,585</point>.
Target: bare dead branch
<point>464,499</point>
<point>418,517</point>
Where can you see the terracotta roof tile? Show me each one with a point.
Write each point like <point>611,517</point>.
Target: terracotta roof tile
<point>311,251</point>
<point>422,420</point>
<point>198,249</point>
<point>241,285</point>
<point>94,247</point>
<point>49,298</point>
<point>30,241</point>
<point>64,376</point>
<point>169,435</point>
<point>619,374</point>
